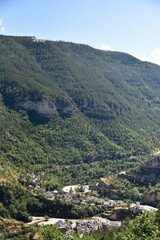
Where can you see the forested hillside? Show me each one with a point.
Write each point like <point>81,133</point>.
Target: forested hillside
<point>75,112</point>
<point>71,114</point>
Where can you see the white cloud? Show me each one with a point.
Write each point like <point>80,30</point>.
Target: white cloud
<point>106,47</point>
<point>156,53</point>
<point>2,29</point>
<point>153,57</point>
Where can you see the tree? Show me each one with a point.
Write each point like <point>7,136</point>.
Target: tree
<point>50,233</point>
<point>142,227</point>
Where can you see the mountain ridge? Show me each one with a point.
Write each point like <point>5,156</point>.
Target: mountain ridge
<point>71,114</point>
<point>112,96</point>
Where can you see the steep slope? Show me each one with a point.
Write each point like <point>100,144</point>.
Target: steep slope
<point>146,173</point>
<point>117,92</point>
<point>141,183</point>
<point>79,112</point>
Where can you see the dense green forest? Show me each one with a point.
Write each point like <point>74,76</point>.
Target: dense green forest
<point>52,90</point>
<point>71,114</point>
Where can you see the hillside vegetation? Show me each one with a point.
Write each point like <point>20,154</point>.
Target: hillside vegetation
<point>74,112</point>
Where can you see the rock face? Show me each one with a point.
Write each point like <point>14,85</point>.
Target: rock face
<point>43,109</point>
<point>43,106</point>
<point>65,108</point>
<point>40,108</point>
<point>152,198</point>
<point>149,172</point>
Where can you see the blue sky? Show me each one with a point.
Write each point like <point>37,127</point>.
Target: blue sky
<point>130,26</point>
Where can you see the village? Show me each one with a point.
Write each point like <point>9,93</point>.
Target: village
<point>110,213</point>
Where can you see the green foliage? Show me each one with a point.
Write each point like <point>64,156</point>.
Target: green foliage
<point>98,95</point>
<point>142,227</point>
<point>11,229</point>
<point>50,233</point>
<point>13,198</point>
<point>71,114</point>
<point>124,189</point>
<point>3,211</point>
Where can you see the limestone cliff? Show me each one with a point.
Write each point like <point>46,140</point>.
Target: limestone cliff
<point>152,198</point>
<point>148,172</point>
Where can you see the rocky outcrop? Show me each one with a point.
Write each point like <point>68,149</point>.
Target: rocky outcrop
<point>117,214</point>
<point>65,107</point>
<point>40,108</point>
<point>148,172</point>
<point>152,198</point>
<point>43,106</point>
<point>122,212</point>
